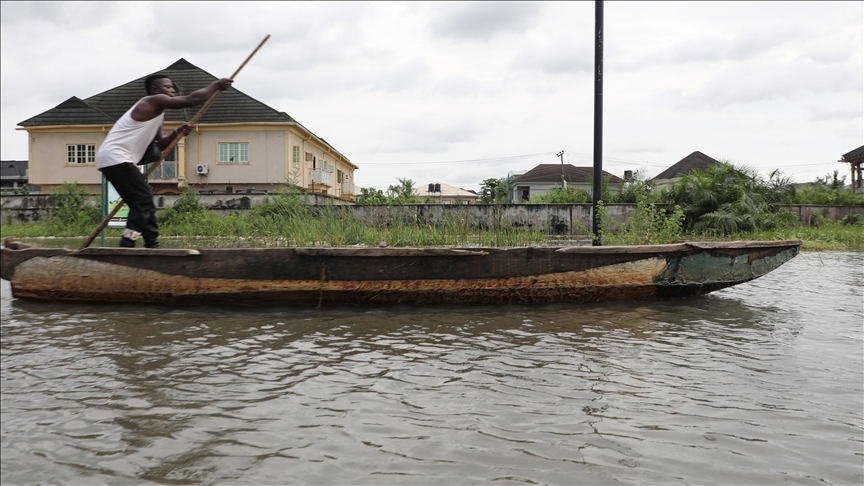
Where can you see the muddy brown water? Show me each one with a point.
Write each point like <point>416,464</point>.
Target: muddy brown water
<point>762,383</point>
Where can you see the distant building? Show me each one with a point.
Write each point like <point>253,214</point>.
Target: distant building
<point>239,144</point>
<point>13,175</point>
<point>696,160</point>
<point>855,159</point>
<point>438,192</point>
<point>544,177</point>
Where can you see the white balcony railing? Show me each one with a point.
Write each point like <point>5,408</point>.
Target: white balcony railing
<point>348,189</point>
<point>320,176</point>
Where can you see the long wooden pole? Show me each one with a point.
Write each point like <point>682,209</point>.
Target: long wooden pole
<point>168,149</point>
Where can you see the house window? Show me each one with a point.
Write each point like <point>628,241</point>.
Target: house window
<point>233,152</point>
<point>82,153</point>
<point>296,156</point>
<point>340,177</point>
<point>167,170</point>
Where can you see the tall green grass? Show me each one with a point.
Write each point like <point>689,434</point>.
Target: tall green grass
<point>826,237</point>
<point>282,220</point>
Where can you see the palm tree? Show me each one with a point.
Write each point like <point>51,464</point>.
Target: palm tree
<point>724,199</point>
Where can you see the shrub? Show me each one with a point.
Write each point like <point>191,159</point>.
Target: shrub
<point>71,214</point>
<point>650,225</point>
<point>562,195</point>
<point>186,209</point>
<point>724,199</point>
<point>633,190</point>
<point>852,220</point>
<point>370,195</point>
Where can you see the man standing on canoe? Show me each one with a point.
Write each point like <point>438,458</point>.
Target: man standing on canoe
<point>129,139</point>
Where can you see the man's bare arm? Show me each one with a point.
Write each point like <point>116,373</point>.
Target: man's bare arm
<point>182,131</point>
<point>151,106</point>
<point>192,99</point>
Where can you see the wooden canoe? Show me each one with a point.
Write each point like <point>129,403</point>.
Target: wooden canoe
<point>375,276</point>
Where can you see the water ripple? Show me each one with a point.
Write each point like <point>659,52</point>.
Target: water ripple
<point>761,383</point>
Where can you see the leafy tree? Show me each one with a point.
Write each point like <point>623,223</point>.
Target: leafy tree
<point>780,187</point>
<point>829,190</point>
<point>403,193</point>
<point>493,191</point>
<point>370,195</point>
<point>832,181</point>
<point>633,190</point>
<point>604,189</point>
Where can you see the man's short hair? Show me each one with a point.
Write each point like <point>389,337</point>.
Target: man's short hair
<point>148,83</point>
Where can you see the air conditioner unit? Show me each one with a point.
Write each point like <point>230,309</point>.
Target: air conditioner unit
<point>202,169</point>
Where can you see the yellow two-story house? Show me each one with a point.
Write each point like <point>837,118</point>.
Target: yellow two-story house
<point>238,145</point>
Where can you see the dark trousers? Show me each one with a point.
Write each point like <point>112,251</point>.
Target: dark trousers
<point>133,188</point>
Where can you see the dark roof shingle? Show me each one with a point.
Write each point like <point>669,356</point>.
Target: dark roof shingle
<point>72,109</point>
<point>552,173</point>
<point>857,152</point>
<point>232,106</point>
<point>696,160</point>
<point>13,169</point>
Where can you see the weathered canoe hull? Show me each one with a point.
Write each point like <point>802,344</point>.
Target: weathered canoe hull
<point>377,276</point>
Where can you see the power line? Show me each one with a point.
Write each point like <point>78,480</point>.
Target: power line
<point>581,155</point>
<point>460,161</point>
<point>807,165</point>
<point>511,157</point>
<point>615,159</point>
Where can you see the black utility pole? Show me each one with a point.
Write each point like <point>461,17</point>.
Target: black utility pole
<point>598,114</point>
<point>563,182</point>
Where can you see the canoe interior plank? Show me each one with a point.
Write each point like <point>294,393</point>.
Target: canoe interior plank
<point>154,252</point>
<point>386,252</point>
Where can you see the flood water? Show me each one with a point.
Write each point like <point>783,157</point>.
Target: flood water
<point>758,384</point>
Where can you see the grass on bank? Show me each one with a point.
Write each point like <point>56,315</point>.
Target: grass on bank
<point>829,236</point>
<point>282,220</point>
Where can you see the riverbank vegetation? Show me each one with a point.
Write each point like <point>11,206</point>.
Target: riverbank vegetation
<point>722,203</point>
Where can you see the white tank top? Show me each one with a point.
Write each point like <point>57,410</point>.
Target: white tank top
<point>127,140</point>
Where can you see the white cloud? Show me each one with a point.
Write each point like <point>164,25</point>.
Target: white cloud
<point>738,84</point>
<point>848,113</point>
<point>411,89</point>
<point>482,20</point>
<point>65,16</point>
<point>430,133</point>
<point>569,57</point>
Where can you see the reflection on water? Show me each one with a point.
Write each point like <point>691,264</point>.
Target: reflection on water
<point>761,383</point>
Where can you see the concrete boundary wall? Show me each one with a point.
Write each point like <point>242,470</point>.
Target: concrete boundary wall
<point>560,219</point>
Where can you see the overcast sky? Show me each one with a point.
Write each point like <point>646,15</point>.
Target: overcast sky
<point>461,92</point>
